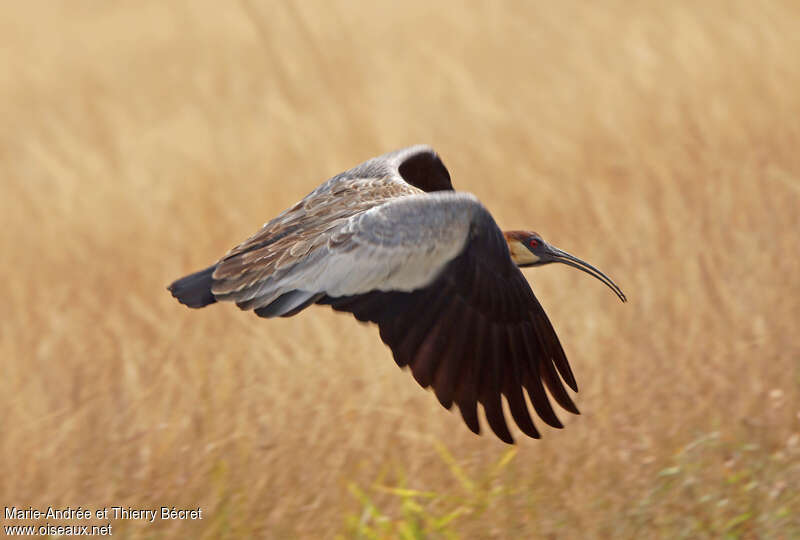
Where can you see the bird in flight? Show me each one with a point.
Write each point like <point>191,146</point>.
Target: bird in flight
<point>391,242</point>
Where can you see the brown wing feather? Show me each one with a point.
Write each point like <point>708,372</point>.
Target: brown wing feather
<point>297,232</point>
<point>476,334</point>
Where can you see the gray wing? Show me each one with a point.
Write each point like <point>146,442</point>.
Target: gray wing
<point>400,245</point>
<point>305,227</point>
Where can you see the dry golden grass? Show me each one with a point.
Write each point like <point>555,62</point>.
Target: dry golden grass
<point>141,140</point>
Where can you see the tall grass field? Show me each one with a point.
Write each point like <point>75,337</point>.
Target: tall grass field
<point>140,141</point>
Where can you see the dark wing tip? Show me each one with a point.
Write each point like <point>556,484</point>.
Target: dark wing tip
<point>504,435</point>
<point>469,413</point>
<point>194,290</point>
<point>426,171</point>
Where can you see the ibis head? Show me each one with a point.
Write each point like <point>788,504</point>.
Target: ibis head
<point>529,249</point>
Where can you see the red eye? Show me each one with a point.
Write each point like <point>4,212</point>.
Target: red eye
<point>533,242</point>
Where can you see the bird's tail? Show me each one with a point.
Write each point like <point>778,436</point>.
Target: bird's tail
<point>194,290</point>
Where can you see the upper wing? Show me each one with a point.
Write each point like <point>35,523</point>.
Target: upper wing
<point>401,244</point>
<point>249,270</point>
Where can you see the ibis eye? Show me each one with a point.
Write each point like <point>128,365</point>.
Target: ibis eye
<point>533,242</point>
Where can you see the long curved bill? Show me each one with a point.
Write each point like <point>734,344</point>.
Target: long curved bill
<point>558,255</point>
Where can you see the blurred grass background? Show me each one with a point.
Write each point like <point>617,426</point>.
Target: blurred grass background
<point>141,140</point>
